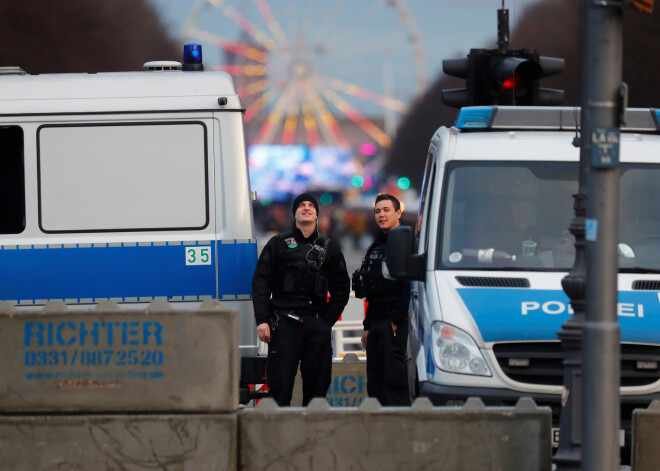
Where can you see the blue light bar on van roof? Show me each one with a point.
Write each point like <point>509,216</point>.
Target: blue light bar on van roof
<point>477,117</point>
<point>192,57</point>
<point>547,118</point>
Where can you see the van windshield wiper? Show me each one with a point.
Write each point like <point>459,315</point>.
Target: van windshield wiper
<point>638,270</point>
<point>501,268</point>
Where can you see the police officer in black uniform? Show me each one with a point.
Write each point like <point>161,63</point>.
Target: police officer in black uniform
<point>295,272</point>
<point>386,323</point>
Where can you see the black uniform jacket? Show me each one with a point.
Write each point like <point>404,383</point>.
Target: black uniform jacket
<point>286,277</point>
<point>389,298</point>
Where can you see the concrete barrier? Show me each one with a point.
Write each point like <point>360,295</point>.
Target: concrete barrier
<point>129,443</point>
<point>646,437</point>
<point>114,360</point>
<point>320,438</point>
<point>348,387</point>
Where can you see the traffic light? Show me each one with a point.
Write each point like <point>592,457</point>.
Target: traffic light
<point>458,97</point>
<point>514,76</point>
<point>503,77</point>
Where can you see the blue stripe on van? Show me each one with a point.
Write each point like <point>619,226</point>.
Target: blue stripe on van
<point>528,314</point>
<point>236,264</point>
<point>130,272</point>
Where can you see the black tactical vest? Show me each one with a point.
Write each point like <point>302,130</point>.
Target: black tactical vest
<point>377,286</point>
<point>300,271</point>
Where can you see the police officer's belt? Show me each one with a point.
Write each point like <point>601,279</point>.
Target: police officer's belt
<point>299,312</point>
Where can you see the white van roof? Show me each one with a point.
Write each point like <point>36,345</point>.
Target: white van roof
<point>145,91</point>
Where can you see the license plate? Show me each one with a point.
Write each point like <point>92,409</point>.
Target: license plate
<point>554,436</point>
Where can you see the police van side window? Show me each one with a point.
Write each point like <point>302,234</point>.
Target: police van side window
<point>427,190</point>
<point>12,180</point>
<point>128,177</point>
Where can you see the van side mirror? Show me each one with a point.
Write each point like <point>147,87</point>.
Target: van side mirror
<point>401,262</point>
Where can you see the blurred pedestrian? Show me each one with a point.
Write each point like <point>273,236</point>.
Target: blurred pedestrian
<point>357,225</point>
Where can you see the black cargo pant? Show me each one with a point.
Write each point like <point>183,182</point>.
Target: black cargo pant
<point>387,374</point>
<point>308,344</point>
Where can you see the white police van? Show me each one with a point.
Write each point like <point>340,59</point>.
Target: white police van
<point>129,186</point>
<point>491,247</point>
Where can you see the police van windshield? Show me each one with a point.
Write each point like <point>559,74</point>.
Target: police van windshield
<point>515,215</point>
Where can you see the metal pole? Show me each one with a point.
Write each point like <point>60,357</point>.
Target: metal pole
<point>503,28</point>
<point>589,425</point>
<point>569,453</point>
<point>601,335</point>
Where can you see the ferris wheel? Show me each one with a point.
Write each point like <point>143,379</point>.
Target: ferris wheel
<point>302,67</point>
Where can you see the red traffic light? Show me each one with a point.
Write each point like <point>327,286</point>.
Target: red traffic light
<point>510,84</point>
<point>514,73</point>
<point>507,77</point>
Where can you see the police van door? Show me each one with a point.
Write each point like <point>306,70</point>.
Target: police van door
<point>235,245</point>
<point>419,302</point>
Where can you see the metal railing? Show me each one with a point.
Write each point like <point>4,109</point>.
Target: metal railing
<point>346,338</point>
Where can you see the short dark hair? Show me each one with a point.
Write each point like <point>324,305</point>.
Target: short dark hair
<point>387,196</point>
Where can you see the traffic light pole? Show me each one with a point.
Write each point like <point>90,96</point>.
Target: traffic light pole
<point>603,110</point>
<point>589,427</point>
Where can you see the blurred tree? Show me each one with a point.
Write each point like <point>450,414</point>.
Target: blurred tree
<point>43,36</point>
<point>411,144</point>
<point>553,28</point>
